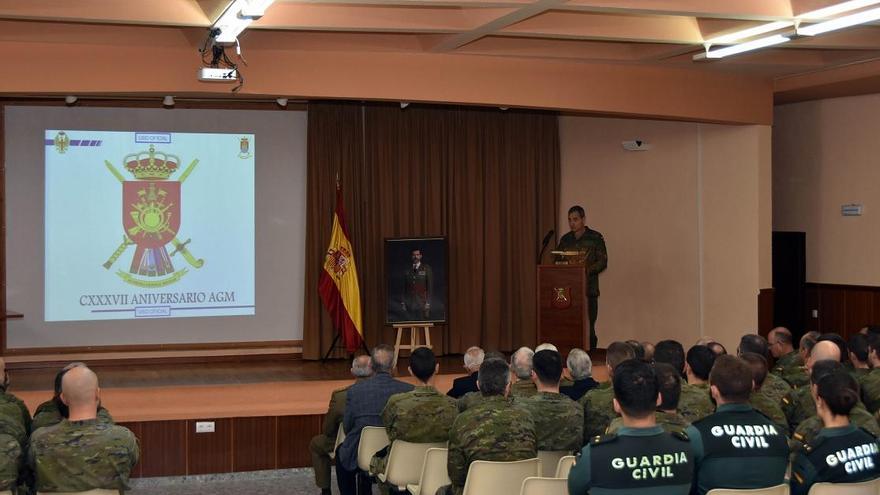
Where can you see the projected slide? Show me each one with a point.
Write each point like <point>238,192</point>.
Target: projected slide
<point>148,225</point>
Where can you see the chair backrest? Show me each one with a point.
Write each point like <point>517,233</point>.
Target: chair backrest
<point>96,491</point>
<point>405,462</point>
<point>871,487</point>
<point>550,460</point>
<point>544,486</point>
<point>564,466</point>
<point>434,472</point>
<point>501,478</point>
<point>373,439</point>
<point>772,490</point>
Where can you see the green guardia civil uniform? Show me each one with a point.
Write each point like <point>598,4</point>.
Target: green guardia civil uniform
<point>523,388</point>
<point>48,413</point>
<point>11,462</point>
<point>493,430</point>
<point>421,415</point>
<point>598,407</point>
<point>322,445</point>
<point>870,384</point>
<point>695,402</point>
<point>790,368</point>
<point>669,421</point>
<point>836,455</point>
<point>592,243</point>
<point>809,428</point>
<point>559,421</point>
<point>770,408</point>
<point>76,456</point>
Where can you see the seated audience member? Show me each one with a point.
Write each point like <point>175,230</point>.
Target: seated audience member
<point>559,421</point>
<point>81,453</point>
<point>322,445</point>
<point>695,402</point>
<point>798,405</point>
<point>717,348</point>
<point>546,346</point>
<point>666,416</point>
<point>472,398</point>
<point>840,452</point>
<point>870,329</point>
<point>857,345</point>
<point>11,464</point>
<point>840,342</point>
<point>422,415</point>
<point>870,383</point>
<point>598,403</point>
<point>364,403</point>
<point>774,387</point>
<point>762,403</point>
<point>789,363</point>
<point>473,358</point>
<point>54,410</point>
<point>638,349</point>
<point>737,446</point>
<point>493,430</point>
<point>649,352</point>
<point>580,366</point>
<point>810,427</point>
<point>808,340</point>
<point>15,419</point>
<point>623,462</point>
<point>521,365</point>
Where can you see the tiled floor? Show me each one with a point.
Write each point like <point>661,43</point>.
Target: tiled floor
<point>281,482</point>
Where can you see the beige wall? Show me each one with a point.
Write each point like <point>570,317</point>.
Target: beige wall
<point>687,224</point>
<point>824,157</point>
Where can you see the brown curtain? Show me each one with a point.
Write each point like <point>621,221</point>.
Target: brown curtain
<point>486,179</point>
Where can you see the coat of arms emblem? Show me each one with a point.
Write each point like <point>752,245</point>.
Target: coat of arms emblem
<point>244,148</point>
<point>561,297</point>
<point>62,142</point>
<point>151,219</point>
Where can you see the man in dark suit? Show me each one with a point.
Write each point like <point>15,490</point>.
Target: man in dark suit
<point>364,403</point>
<point>473,358</point>
<point>580,367</point>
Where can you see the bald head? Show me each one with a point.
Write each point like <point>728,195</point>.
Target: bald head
<point>79,388</point>
<point>824,350</point>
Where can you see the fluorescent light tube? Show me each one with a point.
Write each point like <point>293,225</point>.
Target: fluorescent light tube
<point>747,46</point>
<point>840,8</point>
<point>841,22</point>
<point>769,27</point>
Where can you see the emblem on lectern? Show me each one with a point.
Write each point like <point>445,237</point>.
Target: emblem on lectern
<point>562,297</point>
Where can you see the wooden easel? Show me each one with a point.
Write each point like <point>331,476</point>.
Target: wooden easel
<point>414,338</point>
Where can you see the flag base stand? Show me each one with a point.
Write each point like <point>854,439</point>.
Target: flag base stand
<point>333,347</point>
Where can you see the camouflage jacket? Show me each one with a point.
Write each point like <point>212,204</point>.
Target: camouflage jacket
<point>11,461</point>
<point>48,414</point>
<point>775,387</point>
<point>695,402</point>
<point>870,384</point>
<point>420,416</point>
<point>598,411</point>
<point>773,410</point>
<point>666,420</point>
<point>596,262</point>
<point>15,419</point>
<point>790,368</point>
<point>798,405</point>
<point>468,400</point>
<point>559,421</point>
<point>75,456</point>
<point>523,388</point>
<point>493,430</point>
<point>809,428</point>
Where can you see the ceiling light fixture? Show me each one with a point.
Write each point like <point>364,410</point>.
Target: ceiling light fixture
<point>743,47</point>
<point>404,104</point>
<point>237,17</point>
<point>168,101</point>
<point>751,32</point>
<point>70,99</point>
<point>846,21</point>
<point>282,102</point>
<point>833,10</point>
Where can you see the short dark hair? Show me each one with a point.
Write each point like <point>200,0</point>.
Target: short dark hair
<point>873,329</point>
<point>638,349</point>
<point>838,341</point>
<point>635,388</point>
<point>493,377</point>
<point>840,391</point>
<point>752,342</point>
<point>495,355</point>
<point>670,352</point>
<point>874,343</point>
<point>758,364</point>
<point>618,352</point>
<point>732,377</point>
<point>700,359</point>
<point>808,340</point>
<point>548,366</point>
<point>669,385</point>
<point>577,209</point>
<point>717,348</point>
<point>422,363</point>
<point>858,345</point>
<point>783,335</point>
<point>823,368</point>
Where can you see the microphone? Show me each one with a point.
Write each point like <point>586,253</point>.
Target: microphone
<point>544,244</point>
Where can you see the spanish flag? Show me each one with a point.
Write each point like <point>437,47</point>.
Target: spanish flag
<point>338,285</point>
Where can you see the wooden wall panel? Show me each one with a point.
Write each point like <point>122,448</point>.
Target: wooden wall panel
<point>254,443</point>
<point>209,452</point>
<point>137,429</point>
<point>832,309</point>
<point>859,310</point>
<point>811,302</point>
<point>765,311</point>
<point>844,309</point>
<point>163,448</point>
<point>294,434</point>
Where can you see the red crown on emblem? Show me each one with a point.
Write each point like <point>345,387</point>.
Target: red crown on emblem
<point>151,164</point>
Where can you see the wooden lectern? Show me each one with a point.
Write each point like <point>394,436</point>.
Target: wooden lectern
<point>562,307</point>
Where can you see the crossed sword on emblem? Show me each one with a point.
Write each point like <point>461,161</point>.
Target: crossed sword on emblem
<point>179,247</point>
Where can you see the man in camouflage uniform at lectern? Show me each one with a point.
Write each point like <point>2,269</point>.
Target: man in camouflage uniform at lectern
<point>592,244</point>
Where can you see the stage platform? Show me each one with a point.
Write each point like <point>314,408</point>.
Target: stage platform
<point>264,412</point>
